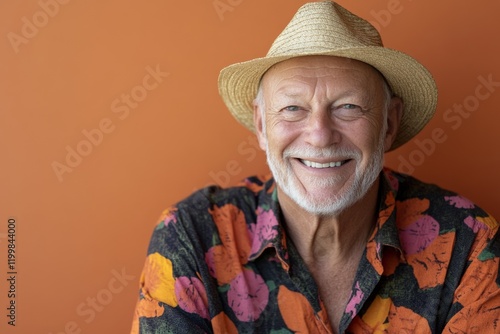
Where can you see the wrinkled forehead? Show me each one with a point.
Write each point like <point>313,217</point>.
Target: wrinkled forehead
<point>313,67</point>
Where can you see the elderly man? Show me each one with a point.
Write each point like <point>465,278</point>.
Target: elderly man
<point>333,242</point>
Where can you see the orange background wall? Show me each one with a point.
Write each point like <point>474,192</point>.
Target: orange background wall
<point>66,72</point>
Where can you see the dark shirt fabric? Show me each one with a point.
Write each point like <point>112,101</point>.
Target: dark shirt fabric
<point>220,261</point>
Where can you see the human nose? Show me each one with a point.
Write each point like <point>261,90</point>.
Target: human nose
<point>321,129</point>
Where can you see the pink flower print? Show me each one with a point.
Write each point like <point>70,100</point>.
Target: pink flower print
<point>222,264</point>
<point>212,256</point>
<point>248,295</point>
<point>355,300</point>
<point>474,224</point>
<point>393,181</point>
<point>418,235</point>
<point>167,216</point>
<point>191,296</point>
<point>264,230</point>
<point>459,202</point>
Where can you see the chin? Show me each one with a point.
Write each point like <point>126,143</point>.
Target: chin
<point>325,205</point>
<point>328,203</point>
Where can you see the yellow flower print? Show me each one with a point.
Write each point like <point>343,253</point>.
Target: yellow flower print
<point>488,221</point>
<point>158,280</point>
<point>167,216</point>
<point>376,316</point>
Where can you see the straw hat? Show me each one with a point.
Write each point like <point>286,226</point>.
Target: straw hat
<point>326,28</point>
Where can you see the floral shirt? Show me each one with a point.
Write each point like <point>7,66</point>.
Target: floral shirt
<point>220,261</point>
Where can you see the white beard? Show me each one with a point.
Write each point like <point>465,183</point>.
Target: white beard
<point>336,202</point>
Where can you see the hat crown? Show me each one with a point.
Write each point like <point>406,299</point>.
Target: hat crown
<point>324,26</point>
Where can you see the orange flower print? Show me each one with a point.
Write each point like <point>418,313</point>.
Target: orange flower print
<point>373,247</point>
<point>404,321</point>
<point>221,324</point>
<point>148,307</point>
<point>480,276</point>
<point>157,279</point>
<point>233,232</point>
<point>431,264</point>
<point>222,264</point>
<point>407,212</point>
<point>385,214</point>
<point>298,314</point>
<point>476,318</point>
<point>226,261</point>
<point>373,256</point>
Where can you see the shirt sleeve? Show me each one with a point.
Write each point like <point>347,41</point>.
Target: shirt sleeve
<point>172,295</point>
<point>477,298</point>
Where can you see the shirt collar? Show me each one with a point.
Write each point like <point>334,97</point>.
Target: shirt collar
<point>267,232</point>
<point>385,233</point>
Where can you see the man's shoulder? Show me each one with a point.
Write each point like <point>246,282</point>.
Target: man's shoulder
<point>417,197</point>
<point>408,186</point>
<point>215,207</point>
<point>243,196</point>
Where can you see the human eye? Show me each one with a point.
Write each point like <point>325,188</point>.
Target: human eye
<point>293,112</point>
<point>348,111</point>
<point>291,108</point>
<point>350,106</point>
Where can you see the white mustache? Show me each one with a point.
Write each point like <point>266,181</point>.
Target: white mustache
<point>328,153</point>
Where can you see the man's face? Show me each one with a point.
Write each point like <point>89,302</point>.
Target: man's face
<point>324,130</point>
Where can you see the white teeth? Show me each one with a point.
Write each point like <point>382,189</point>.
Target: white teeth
<point>320,165</point>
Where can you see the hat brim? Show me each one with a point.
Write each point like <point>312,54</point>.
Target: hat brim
<point>408,79</point>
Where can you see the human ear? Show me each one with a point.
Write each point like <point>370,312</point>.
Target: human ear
<point>258,119</point>
<point>394,114</point>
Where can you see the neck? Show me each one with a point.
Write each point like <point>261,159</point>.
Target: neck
<point>336,238</point>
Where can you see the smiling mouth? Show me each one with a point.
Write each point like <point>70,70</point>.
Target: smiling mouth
<point>320,165</point>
